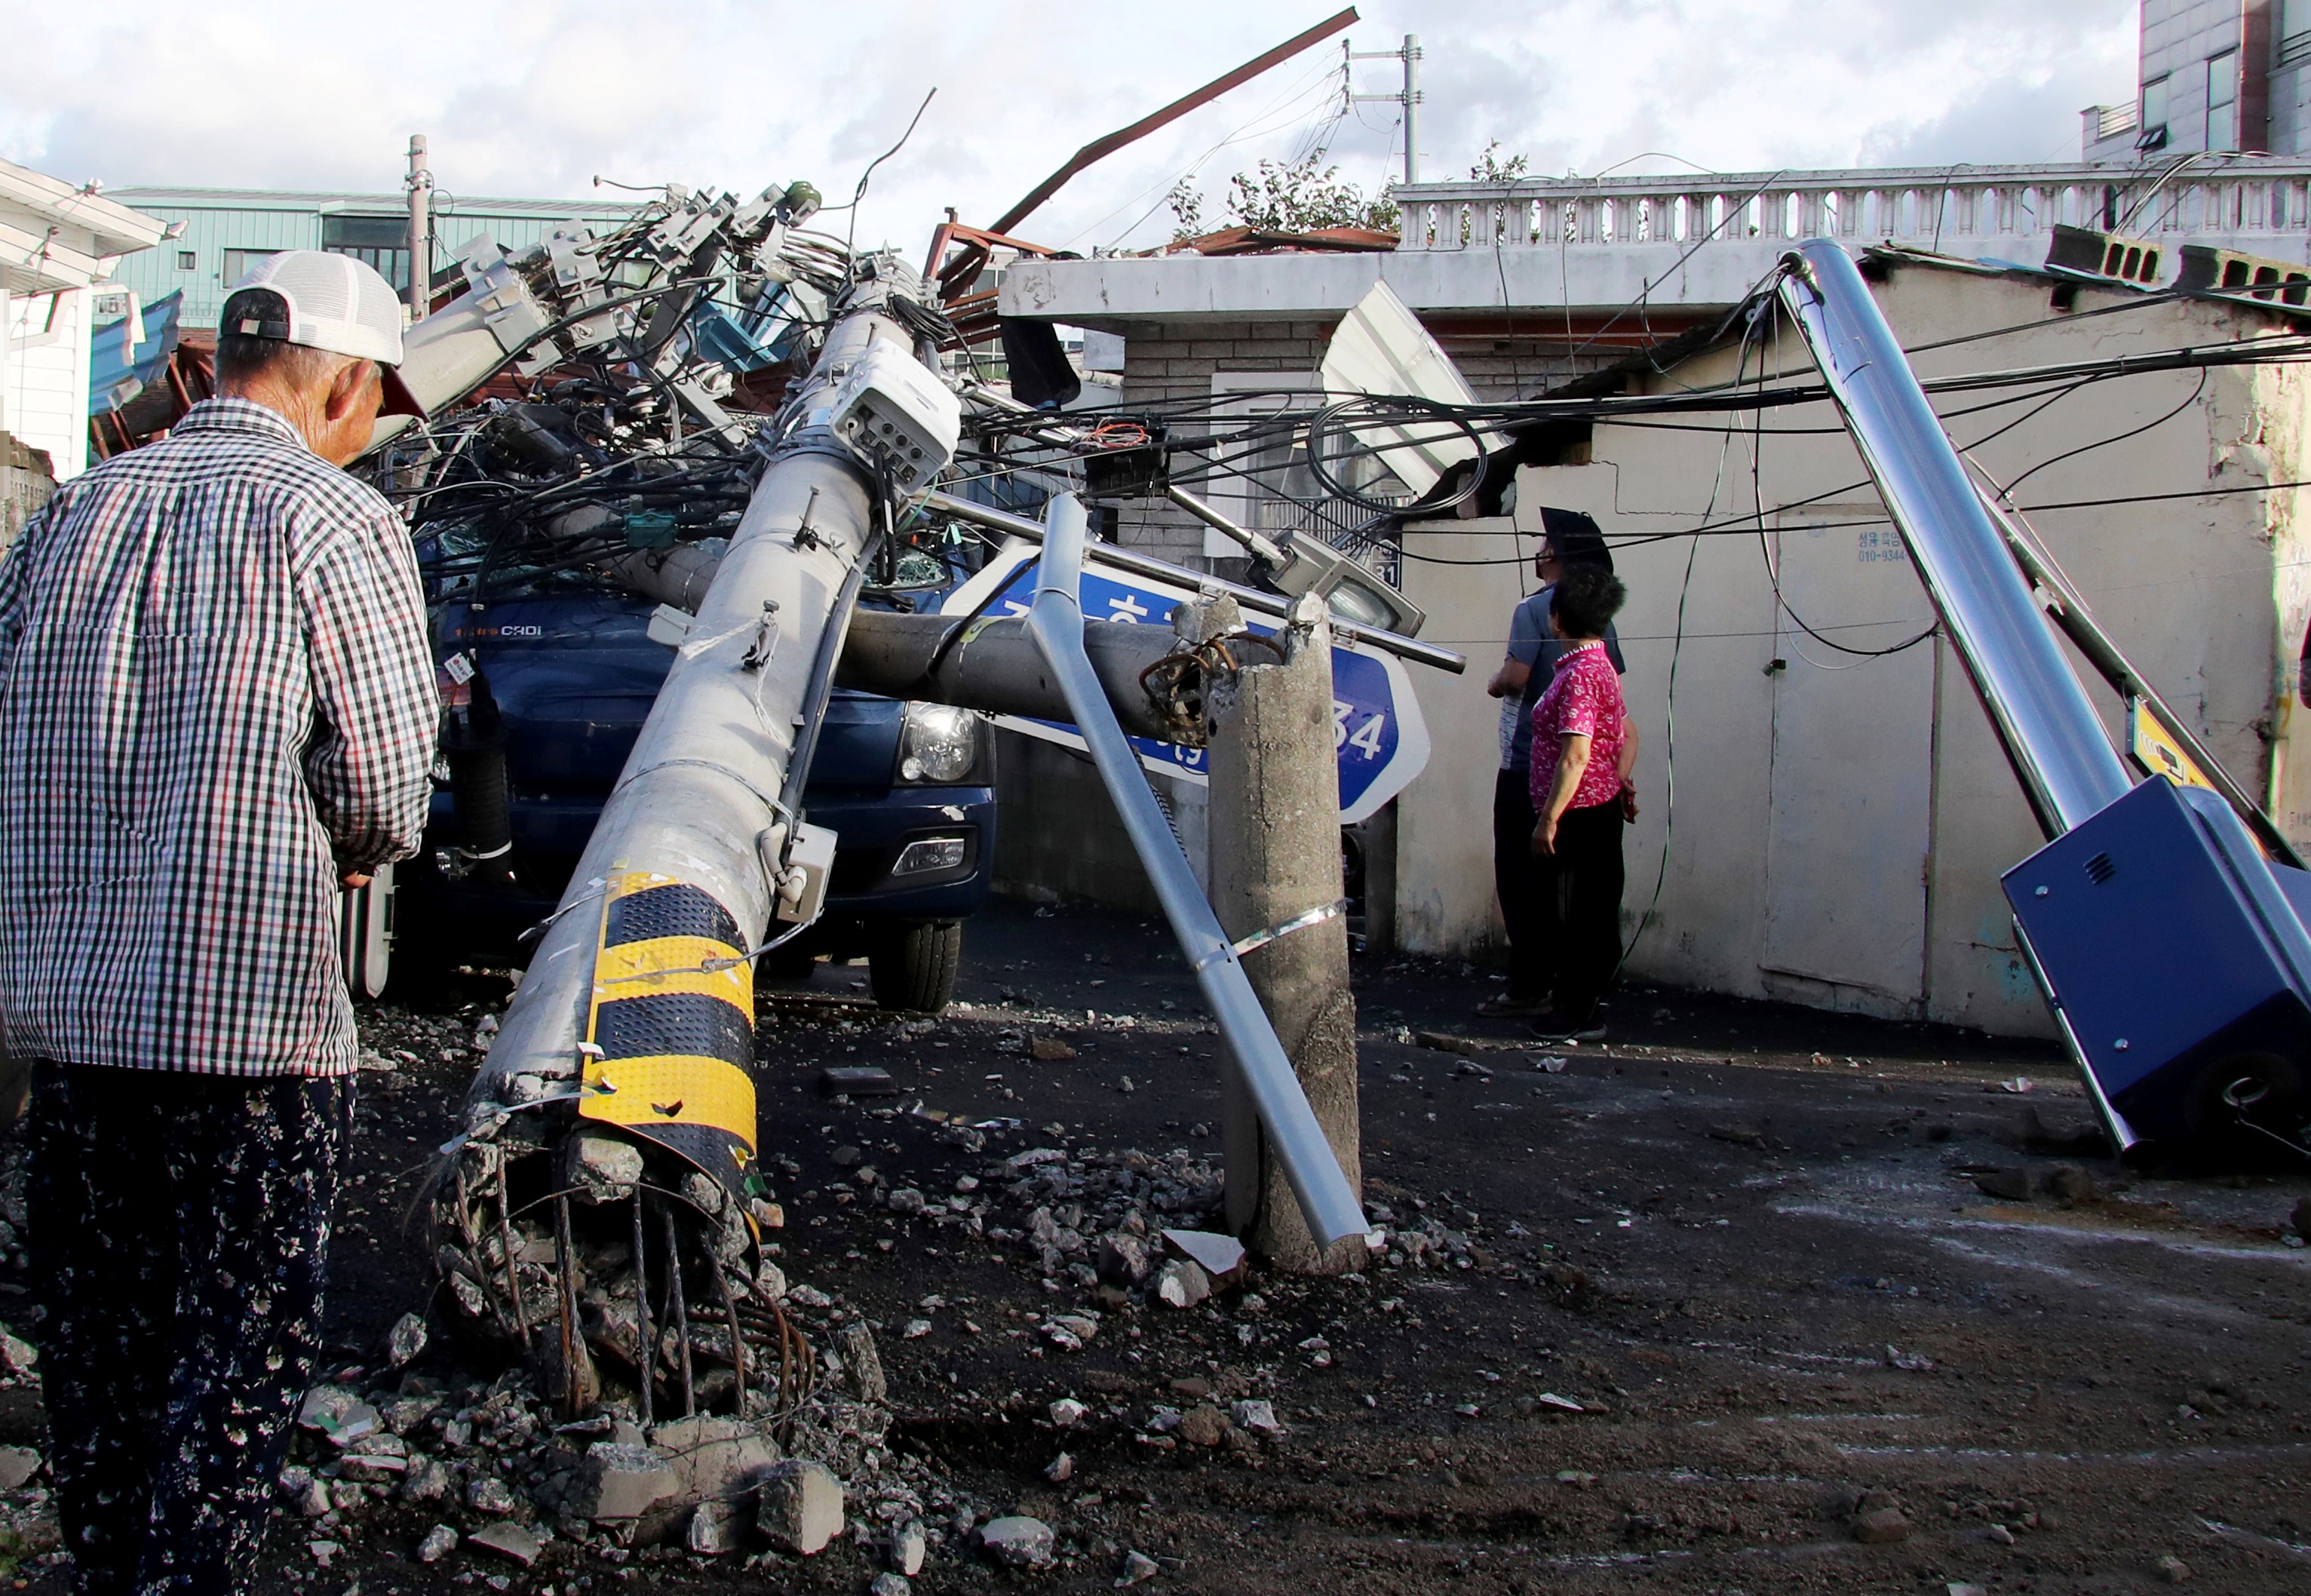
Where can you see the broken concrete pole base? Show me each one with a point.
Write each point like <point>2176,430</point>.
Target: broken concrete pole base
<point>621,1481</point>
<point>601,1168</point>
<point>1275,847</point>
<point>713,1459</point>
<point>800,1508</point>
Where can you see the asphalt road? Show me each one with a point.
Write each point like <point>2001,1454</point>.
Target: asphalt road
<point>1705,1304</point>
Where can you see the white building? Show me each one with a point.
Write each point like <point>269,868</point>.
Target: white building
<point>1841,823</point>
<point>58,245</point>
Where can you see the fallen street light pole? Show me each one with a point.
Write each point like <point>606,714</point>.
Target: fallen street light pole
<point>1163,571</point>
<point>1327,1200</point>
<point>2173,955</point>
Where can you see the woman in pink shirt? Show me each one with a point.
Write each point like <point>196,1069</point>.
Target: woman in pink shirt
<point>1584,747</point>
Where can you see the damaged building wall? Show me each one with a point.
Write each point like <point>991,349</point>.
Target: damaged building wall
<point>1196,358</point>
<point>45,403</point>
<point>1841,821</point>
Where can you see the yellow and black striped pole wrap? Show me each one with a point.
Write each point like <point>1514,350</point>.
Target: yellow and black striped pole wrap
<point>671,1026</point>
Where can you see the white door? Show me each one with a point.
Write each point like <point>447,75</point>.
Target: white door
<point>1853,762</point>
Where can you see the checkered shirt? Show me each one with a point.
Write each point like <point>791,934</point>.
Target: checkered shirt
<point>216,695</point>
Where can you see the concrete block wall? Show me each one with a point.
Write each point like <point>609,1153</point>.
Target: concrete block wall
<point>1170,361</point>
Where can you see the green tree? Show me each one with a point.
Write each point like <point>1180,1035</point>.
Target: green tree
<point>1492,169</point>
<point>1285,198</point>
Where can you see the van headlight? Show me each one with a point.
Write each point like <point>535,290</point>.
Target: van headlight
<point>938,743</point>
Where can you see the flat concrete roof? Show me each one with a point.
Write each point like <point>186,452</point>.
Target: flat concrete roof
<point>1110,292</point>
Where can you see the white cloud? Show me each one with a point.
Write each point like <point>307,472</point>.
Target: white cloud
<point>524,96</point>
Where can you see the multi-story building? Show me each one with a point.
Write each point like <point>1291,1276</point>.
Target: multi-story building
<point>2215,76</point>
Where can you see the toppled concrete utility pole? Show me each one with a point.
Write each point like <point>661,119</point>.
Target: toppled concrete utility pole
<point>1275,874</point>
<point>611,1136</point>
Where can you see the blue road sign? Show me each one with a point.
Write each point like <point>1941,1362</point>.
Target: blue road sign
<point>1378,735</point>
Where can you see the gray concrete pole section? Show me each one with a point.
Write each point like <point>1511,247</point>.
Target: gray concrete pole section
<point>421,231</point>
<point>1326,1198</point>
<point>1411,110</point>
<point>1275,855</point>
<point>696,797</point>
<point>990,665</point>
<point>995,666</point>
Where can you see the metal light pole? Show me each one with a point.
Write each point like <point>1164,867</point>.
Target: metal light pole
<point>2055,741</point>
<point>420,183</point>
<point>1323,1188</point>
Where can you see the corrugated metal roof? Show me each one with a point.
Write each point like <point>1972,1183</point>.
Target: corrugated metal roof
<point>227,229</point>
<point>324,203</point>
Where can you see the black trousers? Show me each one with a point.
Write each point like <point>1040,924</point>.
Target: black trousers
<point>1519,879</point>
<point>180,1229</point>
<point>1581,896</point>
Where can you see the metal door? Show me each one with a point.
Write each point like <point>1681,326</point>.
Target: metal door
<point>1853,762</point>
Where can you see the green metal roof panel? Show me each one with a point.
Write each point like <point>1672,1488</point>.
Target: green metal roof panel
<point>227,226</point>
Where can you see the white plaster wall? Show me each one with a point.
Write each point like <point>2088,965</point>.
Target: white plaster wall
<point>2208,594</point>
<point>47,377</point>
<point>1445,900</point>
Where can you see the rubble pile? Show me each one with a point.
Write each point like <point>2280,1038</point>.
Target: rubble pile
<point>496,1467</point>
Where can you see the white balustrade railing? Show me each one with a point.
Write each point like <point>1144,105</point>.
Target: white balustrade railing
<point>1961,210</point>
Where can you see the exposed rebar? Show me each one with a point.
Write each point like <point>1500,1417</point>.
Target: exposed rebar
<point>645,1349</point>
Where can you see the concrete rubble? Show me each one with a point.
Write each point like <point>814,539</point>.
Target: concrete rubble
<point>1018,1541</point>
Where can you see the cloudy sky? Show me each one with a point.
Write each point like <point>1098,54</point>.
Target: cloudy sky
<point>532,98</point>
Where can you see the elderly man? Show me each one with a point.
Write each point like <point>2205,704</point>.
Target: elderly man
<point>216,709</point>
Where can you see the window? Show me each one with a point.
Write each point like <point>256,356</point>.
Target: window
<point>2154,115</point>
<point>237,263</point>
<point>186,260</point>
<point>380,241</point>
<point>2294,32</point>
<point>2222,101</point>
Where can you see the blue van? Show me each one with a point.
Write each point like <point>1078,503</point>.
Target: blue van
<point>567,672</point>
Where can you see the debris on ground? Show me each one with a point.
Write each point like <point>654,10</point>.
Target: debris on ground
<point>1018,1541</point>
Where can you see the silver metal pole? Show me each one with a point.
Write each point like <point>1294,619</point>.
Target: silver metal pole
<point>2052,733</point>
<point>1057,622</point>
<point>1164,571</point>
<point>421,231</point>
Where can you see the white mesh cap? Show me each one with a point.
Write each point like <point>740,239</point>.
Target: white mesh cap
<point>335,303</point>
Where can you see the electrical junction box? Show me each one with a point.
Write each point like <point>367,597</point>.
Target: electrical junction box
<point>2175,957</point>
<point>802,886</point>
<point>892,408</point>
